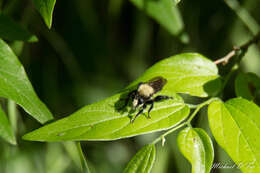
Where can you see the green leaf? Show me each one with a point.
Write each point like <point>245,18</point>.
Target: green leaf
<point>247,85</point>
<point>56,161</point>
<point>9,30</point>
<point>83,161</point>
<point>177,1</point>
<point>6,131</point>
<point>236,127</point>
<point>102,121</point>
<point>188,73</point>
<point>164,12</point>
<point>45,8</point>
<point>197,147</point>
<point>143,161</point>
<point>14,85</point>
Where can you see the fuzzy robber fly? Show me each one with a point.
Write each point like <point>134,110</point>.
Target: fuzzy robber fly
<point>142,96</point>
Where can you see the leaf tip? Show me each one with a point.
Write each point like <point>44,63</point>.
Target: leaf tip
<point>28,136</point>
<point>13,141</point>
<point>33,39</point>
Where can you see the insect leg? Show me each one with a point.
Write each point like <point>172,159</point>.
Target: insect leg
<point>161,98</point>
<point>151,107</point>
<point>140,112</point>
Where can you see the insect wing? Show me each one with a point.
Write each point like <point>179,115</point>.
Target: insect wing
<point>157,83</point>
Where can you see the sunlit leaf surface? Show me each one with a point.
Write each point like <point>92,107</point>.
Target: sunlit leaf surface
<point>105,120</point>
<point>101,121</point>
<point>235,125</point>
<point>197,147</point>
<point>187,73</point>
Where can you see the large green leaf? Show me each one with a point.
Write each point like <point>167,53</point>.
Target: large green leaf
<point>236,127</point>
<point>164,12</point>
<point>10,30</point>
<point>247,85</point>
<point>197,147</point>
<point>103,121</point>
<point>15,85</point>
<point>6,131</point>
<point>143,161</point>
<point>188,73</point>
<point>45,8</point>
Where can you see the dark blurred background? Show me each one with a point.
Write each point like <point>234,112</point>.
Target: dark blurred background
<point>96,48</point>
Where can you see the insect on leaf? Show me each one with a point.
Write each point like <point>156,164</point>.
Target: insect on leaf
<point>102,121</point>
<point>105,120</point>
<point>188,73</point>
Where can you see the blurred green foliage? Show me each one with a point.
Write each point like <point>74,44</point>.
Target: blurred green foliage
<point>94,49</point>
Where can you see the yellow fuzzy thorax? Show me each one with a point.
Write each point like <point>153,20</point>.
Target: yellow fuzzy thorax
<point>145,90</point>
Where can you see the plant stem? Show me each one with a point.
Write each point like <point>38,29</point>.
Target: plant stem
<point>198,107</point>
<point>168,132</point>
<point>191,106</point>
<point>12,113</point>
<point>227,77</point>
<point>224,60</point>
<point>83,162</point>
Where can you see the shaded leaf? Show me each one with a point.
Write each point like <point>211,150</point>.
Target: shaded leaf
<point>83,161</point>
<point>197,147</point>
<point>6,131</point>
<point>236,127</point>
<point>14,85</point>
<point>72,151</point>
<point>45,8</point>
<point>164,12</point>
<point>186,73</point>
<point>143,161</point>
<point>247,85</point>
<point>9,30</point>
<point>56,161</point>
<point>162,161</point>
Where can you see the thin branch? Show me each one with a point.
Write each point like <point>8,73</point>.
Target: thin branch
<point>187,122</point>
<point>207,102</point>
<point>162,137</point>
<point>224,60</point>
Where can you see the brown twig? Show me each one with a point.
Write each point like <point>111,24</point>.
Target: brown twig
<point>224,60</point>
